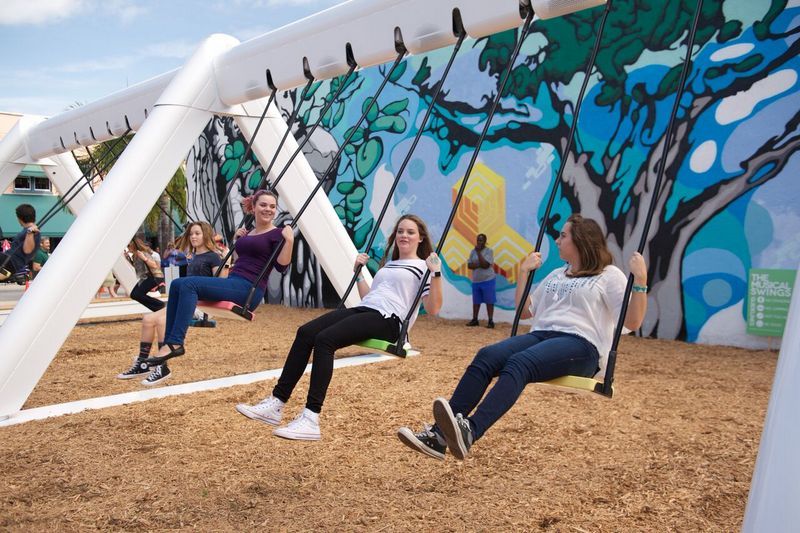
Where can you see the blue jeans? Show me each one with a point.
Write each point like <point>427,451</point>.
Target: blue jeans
<point>517,361</point>
<point>184,293</point>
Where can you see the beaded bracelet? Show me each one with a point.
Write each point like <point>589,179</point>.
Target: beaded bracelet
<point>360,278</point>
<point>640,288</point>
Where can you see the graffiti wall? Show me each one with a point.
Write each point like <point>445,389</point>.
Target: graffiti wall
<point>730,195</point>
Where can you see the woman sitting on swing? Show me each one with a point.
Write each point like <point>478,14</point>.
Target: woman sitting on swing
<point>203,258</point>
<point>253,249</point>
<point>378,316</point>
<point>574,311</point>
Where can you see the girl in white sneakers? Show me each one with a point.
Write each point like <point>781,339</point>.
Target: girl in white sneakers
<point>377,317</point>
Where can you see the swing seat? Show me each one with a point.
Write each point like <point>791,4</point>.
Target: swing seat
<point>578,384</point>
<point>225,310</point>
<point>389,347</point>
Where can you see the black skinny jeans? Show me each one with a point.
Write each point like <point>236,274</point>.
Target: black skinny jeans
<point>139,293</point>
<point>323,336</point>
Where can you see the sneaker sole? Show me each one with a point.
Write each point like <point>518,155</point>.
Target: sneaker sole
<point>152,383</point>
<point>407,437</point>
<point>447,423</point>
<point>243,408</point>
<point>295,436</point>
<point>131,376</point>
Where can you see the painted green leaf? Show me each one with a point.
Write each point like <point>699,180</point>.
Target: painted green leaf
<point>255,180</point>
<point>346,187</point>
<point>238,149</point>
<point>398,72</point>
<point>423,73</point>
<point>313,89</point>
<point>339,114</point>
<point>357,136</point>
<point>228,152</point>
<point>349,216</point>
<point>349,149</point>
<point>373,266</point>
<point>229,169</point>
<point>326,118</point>
<point>339,212</point>
<point>362,233</point>
<point>382,124</point>
<point>368,157</point>
<point>246,166</point>
<point>358,192</point>
<point>395,108</point>
<point>354,206</point>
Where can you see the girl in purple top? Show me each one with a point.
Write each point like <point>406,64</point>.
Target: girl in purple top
<point>253,249</point>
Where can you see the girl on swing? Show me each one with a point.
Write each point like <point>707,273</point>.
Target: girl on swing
<point>378,316</point>
<point>253,249</point>
<point>574,311</point>
<point>204,257</point>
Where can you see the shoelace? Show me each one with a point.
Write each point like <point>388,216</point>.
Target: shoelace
<point>267,404</point>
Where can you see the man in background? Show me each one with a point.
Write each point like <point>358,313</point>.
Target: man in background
<point>481,259</point>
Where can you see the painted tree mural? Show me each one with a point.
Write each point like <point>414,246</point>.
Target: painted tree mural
<point>612,167</point>
<point>736,131</point>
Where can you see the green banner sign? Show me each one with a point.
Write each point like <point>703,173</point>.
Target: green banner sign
<point>768,295</point>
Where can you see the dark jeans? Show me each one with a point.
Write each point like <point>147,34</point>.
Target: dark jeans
<point>184,293</point>
<point>139,293</point>
<point>325,335</point>
<point>517,361</point>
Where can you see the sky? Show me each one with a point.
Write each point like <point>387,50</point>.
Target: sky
<point>56,53</point>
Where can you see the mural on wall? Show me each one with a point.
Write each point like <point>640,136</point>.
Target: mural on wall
<point>728,201</point>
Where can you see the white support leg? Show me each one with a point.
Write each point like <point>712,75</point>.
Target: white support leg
<point>63,174</point>
<point>45,315</point>
<point>319,224</point>
<point>775,490</point>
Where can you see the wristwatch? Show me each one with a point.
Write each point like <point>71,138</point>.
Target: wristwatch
<point>437,274</point>
<point>29,229</point>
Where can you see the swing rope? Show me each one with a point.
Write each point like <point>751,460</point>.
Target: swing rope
<point>248,218</point>
<point>608,381</point>
<point>405,162</point>
<point>562,166</point>
<point>242,160</point>
<point>500,90</point>
<point>321,182</point>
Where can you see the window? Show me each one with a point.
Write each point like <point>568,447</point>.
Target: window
<point>22,183</point>
<point>41,184</point>
<point>31,184</point>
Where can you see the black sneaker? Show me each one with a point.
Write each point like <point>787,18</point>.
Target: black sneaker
<point>456,429</point>
<point>473,322</point>
<point>490,325</point>
<point>157,375</point>
<point>139,368</point>
<point>426,441</point>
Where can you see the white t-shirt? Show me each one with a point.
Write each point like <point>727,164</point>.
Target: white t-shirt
<point>394,287</point>
<point>585,306</point>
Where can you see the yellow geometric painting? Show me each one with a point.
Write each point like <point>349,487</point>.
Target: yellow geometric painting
<point>483,210</point>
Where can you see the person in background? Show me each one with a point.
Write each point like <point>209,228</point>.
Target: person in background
<point>25,243</point>
<point>481,259</point>
<point>41,256</point>
<point>148,270</point>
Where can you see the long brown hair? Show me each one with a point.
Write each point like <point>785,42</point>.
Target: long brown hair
<point>424,248</point>
<point>183,243</point>
<point>591,244</point>
<point>139,245</point>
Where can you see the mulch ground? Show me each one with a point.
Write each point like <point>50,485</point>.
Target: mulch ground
<point>673,451</point>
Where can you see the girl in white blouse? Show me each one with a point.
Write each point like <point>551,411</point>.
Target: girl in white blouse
<point>574,312</point>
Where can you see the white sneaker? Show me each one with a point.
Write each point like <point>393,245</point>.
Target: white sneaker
<point>268,410</point>
<point>304,427</point>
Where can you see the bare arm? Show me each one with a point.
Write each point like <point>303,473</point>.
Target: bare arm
<point>433,300</point>
<point>29,244</point>
<point>637,307</point>
<point>361,284</point>
<point>532,262</point>
<point>285,257</point>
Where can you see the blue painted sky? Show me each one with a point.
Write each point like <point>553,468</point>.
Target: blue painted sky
<point>58,52</point>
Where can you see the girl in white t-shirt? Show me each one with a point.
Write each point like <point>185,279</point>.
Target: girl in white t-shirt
<point>379,316</point>
<point>574,309</point>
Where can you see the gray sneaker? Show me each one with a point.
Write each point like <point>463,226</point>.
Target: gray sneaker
<point>426,441</point>
<point>456,429</point>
